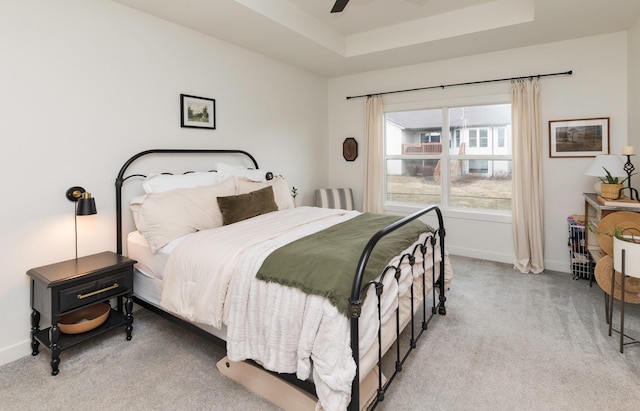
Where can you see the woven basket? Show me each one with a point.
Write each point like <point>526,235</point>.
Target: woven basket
<point>610,191</point>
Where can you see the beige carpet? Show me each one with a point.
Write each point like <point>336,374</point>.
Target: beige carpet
<point>508,342</point>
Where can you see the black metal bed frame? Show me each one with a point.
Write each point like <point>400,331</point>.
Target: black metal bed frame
<point>358,289</point>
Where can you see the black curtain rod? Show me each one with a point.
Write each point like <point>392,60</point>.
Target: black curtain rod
<point>565,73</point>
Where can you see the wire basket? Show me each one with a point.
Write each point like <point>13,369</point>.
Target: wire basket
<point>581,263</point>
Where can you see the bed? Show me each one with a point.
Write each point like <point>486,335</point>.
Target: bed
<point>224,252</point>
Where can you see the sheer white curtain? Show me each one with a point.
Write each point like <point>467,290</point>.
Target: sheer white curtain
<point>527,210</point>
<point>374,159</point>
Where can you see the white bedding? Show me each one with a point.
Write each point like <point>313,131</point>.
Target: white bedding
<point>210,278</point>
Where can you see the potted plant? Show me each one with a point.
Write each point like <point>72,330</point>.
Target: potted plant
<point>610,186</point>
<point>630,244</point>
<point>294,194</point>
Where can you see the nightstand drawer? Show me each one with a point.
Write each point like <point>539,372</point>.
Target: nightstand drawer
<point>94,291</point>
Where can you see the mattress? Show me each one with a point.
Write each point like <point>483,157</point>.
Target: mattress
<point>150,264</point>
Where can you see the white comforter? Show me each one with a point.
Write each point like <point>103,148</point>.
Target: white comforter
<point>210,279</point>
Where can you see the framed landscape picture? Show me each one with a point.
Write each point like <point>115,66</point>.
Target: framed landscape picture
<point>197,112</point>
<point>587,137</point>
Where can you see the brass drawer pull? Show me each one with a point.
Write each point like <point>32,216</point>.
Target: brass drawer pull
<point>113,287</point>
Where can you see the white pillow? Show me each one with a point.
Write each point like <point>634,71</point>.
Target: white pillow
<point>163,217</point>
<point>281,192</point>
<point>158,183</point>
<point>229,170</point>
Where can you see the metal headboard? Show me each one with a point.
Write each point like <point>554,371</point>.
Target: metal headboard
<point>120,179</point>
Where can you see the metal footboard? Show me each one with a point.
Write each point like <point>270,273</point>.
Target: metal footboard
<point>358,290</point>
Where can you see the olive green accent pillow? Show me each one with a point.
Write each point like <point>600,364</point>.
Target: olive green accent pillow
<point>240,207</point>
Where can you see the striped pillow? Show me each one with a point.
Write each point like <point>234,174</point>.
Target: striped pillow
<point>334,198</point>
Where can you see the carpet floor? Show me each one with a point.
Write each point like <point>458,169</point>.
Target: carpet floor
<point>508,342</point>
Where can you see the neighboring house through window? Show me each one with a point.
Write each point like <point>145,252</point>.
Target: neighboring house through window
<point>471,145</point>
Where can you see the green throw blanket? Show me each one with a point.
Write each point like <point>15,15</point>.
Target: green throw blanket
<point>325,263</point>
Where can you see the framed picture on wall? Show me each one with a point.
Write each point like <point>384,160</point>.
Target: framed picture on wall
<point>197,112</point>
<point>586,137</point>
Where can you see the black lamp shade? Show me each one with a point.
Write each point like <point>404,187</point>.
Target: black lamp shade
<point>86,205</point>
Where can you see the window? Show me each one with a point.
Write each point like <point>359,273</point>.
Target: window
<point>478,137</point>
<point>501,136</point>
<point>430,137</point>
<point>411,161</point>
<point>478,166</point>
<point>473,138</point>
<point>476,158</point>
<point>484,137</point>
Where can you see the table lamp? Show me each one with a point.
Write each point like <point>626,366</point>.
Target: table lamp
<point>603,163</point>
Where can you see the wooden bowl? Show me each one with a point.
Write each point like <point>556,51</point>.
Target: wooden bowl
<point>85,319</point>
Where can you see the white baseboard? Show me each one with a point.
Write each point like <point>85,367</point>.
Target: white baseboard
<point>14,352</point>
<point>560,266</point>
<point>480,254</point>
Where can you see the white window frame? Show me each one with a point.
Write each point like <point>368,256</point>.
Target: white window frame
<point>486,215</point>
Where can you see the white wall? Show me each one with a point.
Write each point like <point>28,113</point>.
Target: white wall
<point>86,84</point>
<point>598,88</point>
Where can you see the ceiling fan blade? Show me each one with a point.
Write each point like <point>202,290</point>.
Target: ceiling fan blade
<point>339,6</point>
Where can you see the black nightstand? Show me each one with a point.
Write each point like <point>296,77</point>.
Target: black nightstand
<point>68,286</point>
